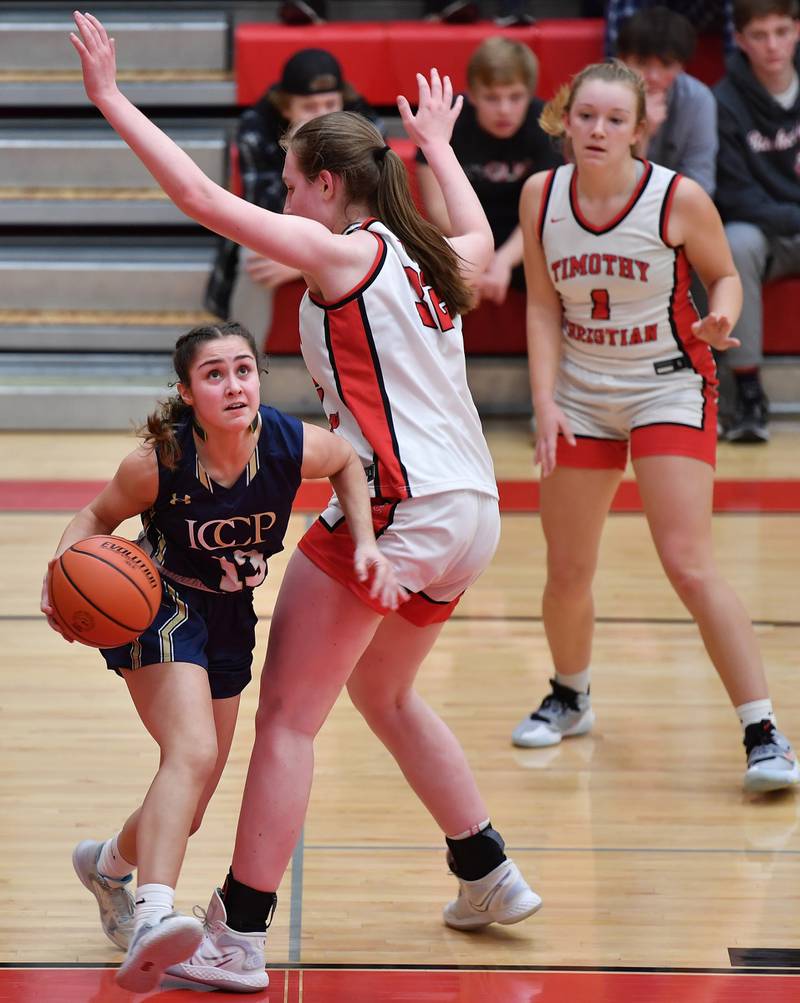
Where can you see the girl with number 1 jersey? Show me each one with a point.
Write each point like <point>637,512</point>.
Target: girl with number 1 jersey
<point>621,362</point>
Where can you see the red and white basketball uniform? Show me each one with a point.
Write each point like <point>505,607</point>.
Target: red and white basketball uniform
<point>631,368</point>
<point>388,362</point>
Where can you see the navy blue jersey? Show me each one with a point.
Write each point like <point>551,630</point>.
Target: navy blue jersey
<point>215,538</point>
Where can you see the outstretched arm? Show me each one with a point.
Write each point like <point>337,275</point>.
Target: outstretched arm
<point>294,241</point>
<point>431,128</point>
<point>432,199</point>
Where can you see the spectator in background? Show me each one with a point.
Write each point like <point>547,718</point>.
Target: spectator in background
<point>758,187</point>
<point>705,15</point>
<point>499,143</point>
<point>681,127</point>
<point>242,283</point>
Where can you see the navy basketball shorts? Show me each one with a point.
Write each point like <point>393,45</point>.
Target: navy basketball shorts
<point>214,631</point>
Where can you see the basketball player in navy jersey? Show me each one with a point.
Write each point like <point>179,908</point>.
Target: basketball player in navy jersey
<point>214,482</point>
<point>381,335</point>
<point>620,360</point>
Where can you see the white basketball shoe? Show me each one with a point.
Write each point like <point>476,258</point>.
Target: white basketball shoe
<point>225,959</point>
<point>502,896</point>
<point>771,762</point>
<point>113,898</point>
<point>156,946</point>
<point>563,712</point>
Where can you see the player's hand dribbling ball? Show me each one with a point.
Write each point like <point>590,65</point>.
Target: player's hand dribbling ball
<point>104,591</point>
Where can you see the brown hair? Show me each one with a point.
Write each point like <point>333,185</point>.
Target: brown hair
<point>745,11</point>
<point>613,72</point>
<point>348,145</point>
<point>500,60</point>
<point>659,32</point>
<point>160,428</point>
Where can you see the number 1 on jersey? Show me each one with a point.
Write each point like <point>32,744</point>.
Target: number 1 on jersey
<point>432,311</point>
<point>601,307</point>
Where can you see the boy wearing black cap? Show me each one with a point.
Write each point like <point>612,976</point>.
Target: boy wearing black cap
<point>241,283</point>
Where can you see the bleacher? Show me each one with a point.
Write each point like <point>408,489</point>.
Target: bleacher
<point>99,273</point>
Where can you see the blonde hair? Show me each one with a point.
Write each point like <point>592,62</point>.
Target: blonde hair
<point>500,60</point>
<point>613,72</point>
<point>348,145</point>
<point>161,427</point>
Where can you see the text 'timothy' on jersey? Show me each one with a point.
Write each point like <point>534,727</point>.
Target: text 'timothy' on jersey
<point>623,287</point>
<point>218,539</point>
<point>388,361</point>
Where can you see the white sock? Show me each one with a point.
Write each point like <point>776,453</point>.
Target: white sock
<point>111,863</point>
<point>153,902</point>
<point>578,681</point>
<point>755,711</point>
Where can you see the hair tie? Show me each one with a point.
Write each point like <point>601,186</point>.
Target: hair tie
<point>380,154</point>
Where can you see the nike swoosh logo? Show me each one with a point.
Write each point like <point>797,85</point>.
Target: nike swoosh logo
<point>486,901</point>
<point>218,960</point>
<point>559,219</point>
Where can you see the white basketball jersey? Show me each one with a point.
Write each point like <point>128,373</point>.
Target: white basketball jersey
<point>624,289</point>
<point>388,361</point>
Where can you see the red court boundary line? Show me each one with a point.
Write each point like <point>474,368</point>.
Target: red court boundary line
<point>744,496</point>
<point>303,985</point>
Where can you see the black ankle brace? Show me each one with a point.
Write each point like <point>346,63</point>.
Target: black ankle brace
<point>474,856</point>
<point>247,909</point>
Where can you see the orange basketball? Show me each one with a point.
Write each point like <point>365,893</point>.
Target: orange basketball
<point>105,590</point>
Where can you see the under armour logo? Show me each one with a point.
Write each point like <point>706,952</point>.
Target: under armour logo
<point>186,500</point>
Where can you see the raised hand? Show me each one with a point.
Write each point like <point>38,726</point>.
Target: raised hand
<point>98,57</point>
<point>436,111</point>
<point>715,329</point>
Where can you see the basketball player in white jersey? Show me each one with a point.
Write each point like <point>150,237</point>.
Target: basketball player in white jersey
<point>381,336</point>
<point>621,361</point>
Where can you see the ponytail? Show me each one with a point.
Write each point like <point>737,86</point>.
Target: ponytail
<point>348,145</point>
<point>437,260</point>
<point>160,429</point>
<point>551,118</point>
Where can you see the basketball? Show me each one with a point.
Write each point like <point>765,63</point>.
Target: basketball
<point>105,591</point>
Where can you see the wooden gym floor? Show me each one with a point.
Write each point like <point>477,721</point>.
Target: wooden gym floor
<point>662,881</point>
